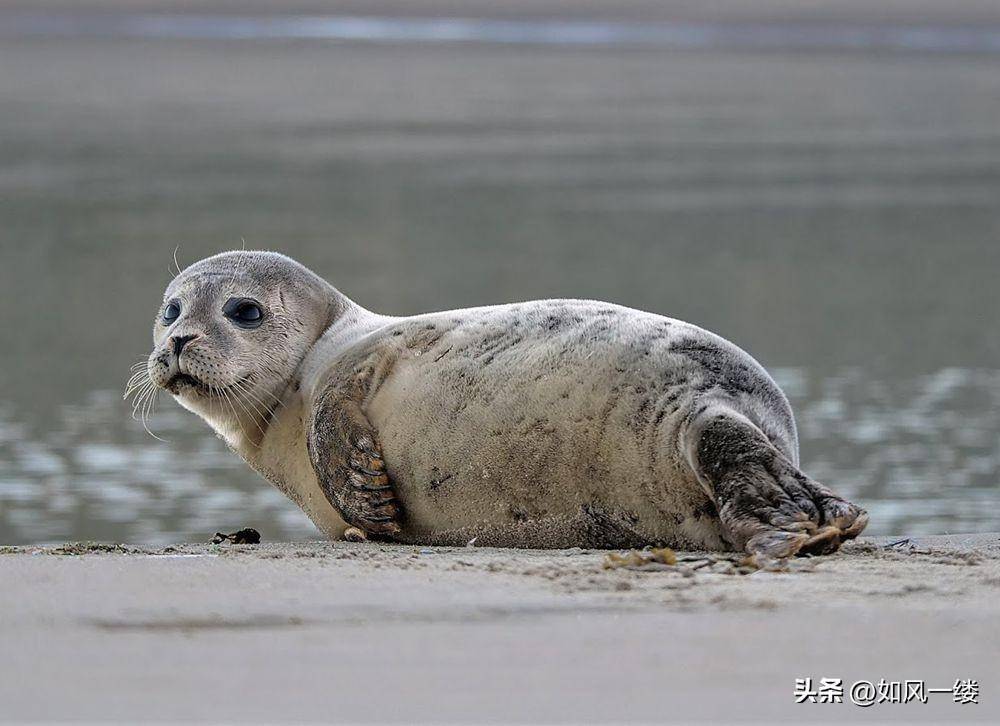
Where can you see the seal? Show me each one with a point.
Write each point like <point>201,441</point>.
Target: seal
<point>551,423</point>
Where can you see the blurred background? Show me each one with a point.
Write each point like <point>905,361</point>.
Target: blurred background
<point>817,181</point>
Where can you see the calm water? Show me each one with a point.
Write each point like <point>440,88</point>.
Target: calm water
<point>835,213</point>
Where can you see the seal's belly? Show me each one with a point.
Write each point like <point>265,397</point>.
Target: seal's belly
<point>539,444</point>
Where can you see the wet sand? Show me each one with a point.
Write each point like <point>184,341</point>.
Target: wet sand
<point>363,632</point>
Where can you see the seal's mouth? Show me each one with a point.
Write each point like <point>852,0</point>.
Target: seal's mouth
<point>182,380</point>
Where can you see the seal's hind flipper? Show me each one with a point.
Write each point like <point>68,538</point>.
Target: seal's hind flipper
<point>767,506</point>
<point>346,457</point>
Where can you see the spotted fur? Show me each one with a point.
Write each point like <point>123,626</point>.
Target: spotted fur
<point>546,423</point>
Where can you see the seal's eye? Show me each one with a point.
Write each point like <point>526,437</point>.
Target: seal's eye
<point>171,312</point>
<point>243,311</point>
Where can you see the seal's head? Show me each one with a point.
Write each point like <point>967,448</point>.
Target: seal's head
<point>232,330</point>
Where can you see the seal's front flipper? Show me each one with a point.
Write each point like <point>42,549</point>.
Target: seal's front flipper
<point>346,457</point>
<point>766,504</point>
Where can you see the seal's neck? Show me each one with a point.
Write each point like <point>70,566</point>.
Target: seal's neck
<point>345,332</point>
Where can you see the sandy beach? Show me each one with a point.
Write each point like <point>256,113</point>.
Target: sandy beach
<point>817,189</point>
<point>372,633</point>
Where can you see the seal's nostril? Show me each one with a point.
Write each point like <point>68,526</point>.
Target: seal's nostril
<point>180,341</point>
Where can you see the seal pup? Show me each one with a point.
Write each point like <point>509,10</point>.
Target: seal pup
<point>551,423</point>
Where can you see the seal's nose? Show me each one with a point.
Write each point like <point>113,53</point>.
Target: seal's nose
<point>179,341</point>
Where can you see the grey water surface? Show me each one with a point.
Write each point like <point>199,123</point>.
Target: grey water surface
<point>832,206</point>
